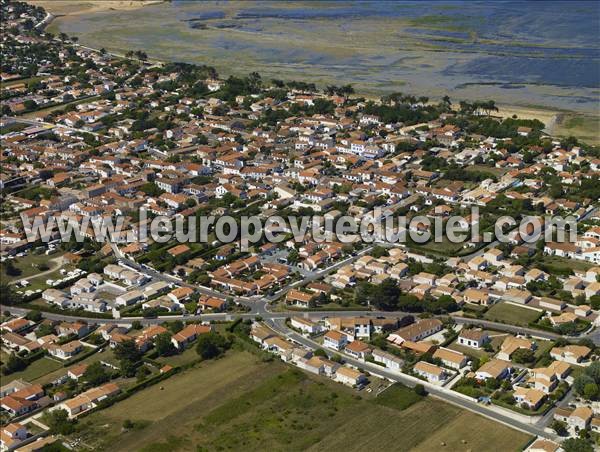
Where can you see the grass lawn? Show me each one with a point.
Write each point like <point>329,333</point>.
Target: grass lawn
<point>584,127</point>
<point>39,282</point>
<point>423,426</point>
<point>239,402</point>
<point>542,347</point>
<point>398,396</point>
<point>469,351</point>
<point>35,370</point>
<point>189,355</point>
<point>565,264</point>
<point>487,169</point>
<point>476,308</point>
<point>28,265</point>
<point>14,127</point>
<point>443,248</point>
<point>27,80</point>
<point>512,314</point>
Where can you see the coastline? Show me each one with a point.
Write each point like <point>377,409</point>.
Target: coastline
<point>78,7</point>
<point>559,122</point>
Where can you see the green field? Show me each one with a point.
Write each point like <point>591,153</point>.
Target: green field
<point>239,402</point>
<point>499,172</point>
<point>510,313</point>
<point>398,397</point>
<point>469,351</point>
<point>28,266</point>
<point>564,264</point>
<point>584,127</point>
<point>188,356</point>
<point>37,369</point>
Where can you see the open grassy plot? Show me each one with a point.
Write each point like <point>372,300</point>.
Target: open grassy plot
<point>28,266</point>
<point>423,426</point>
<point>443,248</point>
<point>510,313</point>
<point>189,355</point>
<point>239,402</point>
<point>543,347</point>
<point>37,369</point>
<point>470,427</point>
<point>398,396</point>
<point>176,408</point>
<point>26,81</point>
<point>487,169</point>
<point>564,265</point>
<point>469,351</point>
<point>584,127</point>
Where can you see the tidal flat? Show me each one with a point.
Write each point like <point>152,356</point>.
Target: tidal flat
<point>526,54</point>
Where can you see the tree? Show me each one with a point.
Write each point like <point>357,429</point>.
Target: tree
<point>523,356</point>
<point>59,422</point>
<point>142,373</point>
<point>378,251</point>
<point>492,383</point>
<point>336,358</point>
<point>14,364</point>
<point>593,370</point>
<point>30,104</point>
<point>590,391</point>
<point>34,315</point>
<point>44,330</point>
<point>559,427</point>
<point>128,355</point>
<point>11,270</point>
<point>175,326</point>
<point>595,302</point>
<point>128,424</point>
<point>293,257</point>
<point>211,345</point>
<point>96,374</point>
<point>587,383</point>
<point>576,445</point>
<point>581,381</point>
<point>420,390</point>
<point>151,189</point>
<point>163,345</point>
<point>386,295</point>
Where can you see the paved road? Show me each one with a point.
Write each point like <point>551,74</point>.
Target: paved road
<point>49,125</point>
<point>508,328</point>
<point>446,395</point>
<point>261,311</point>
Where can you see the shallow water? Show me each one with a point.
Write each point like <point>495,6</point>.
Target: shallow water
<point>543,53</point>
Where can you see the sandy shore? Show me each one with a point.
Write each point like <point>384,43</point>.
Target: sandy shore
<point>76,7</point>
<point>544,115</point>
